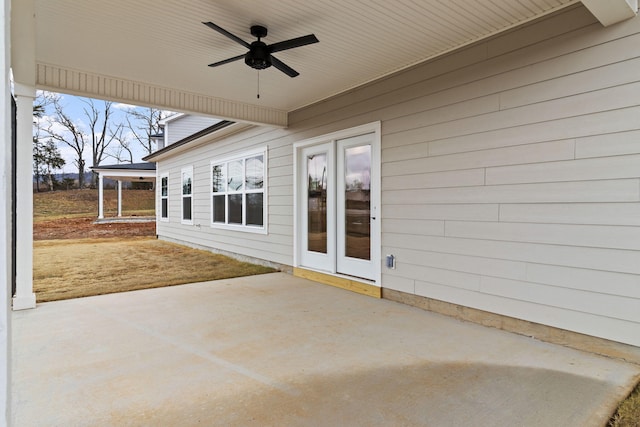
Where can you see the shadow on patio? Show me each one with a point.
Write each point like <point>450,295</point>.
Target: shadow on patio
<point>278,350</point>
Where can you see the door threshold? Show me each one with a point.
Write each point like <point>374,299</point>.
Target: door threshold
<point>339,282</point>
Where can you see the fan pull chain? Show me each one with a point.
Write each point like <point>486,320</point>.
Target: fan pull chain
<point>258,96</point>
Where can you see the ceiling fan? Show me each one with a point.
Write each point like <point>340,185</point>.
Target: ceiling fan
<point>260,55</point>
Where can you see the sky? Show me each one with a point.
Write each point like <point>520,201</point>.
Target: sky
<point>74,107</point>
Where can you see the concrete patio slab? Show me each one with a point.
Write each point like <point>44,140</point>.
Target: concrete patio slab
<point>276,350</point>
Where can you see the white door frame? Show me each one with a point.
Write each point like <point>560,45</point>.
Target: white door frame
<point>298,204</point>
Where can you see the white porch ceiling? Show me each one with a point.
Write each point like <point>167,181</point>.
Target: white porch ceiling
<point>156,52</point>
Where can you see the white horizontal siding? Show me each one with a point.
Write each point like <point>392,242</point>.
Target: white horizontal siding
<point>598,123</point>
<point>470,108</point>
<point>597,236</point>
<point>614,260</point>
<point>415,210</point>
<point>477,265</point>
<point>399,283</point>
<point>621,190</point>
<point>607,76</point>
<point>611,144</point>
<point>572,170</point>
<point>585,279</point>
<point>418,158</point>
<point>570,299</point>
<point>587,323</point>
<point>419,226</point>
<point>458,178</point>
<point>579,213</point>
<point>185,126</point>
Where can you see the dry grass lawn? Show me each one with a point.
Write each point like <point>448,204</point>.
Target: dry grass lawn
<point>628,414</point>
<point>66,269</point>
<point>74,203</point>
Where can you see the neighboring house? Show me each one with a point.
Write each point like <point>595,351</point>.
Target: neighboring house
<point>179,126</point>
<point>501,179</point>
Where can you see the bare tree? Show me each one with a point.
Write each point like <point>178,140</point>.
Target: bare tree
<point>101,135</point>
<point>143,124</point>
<point>98,133</point>
<point>122,151</point>
<point>40,104</point>
<point>61,128</point>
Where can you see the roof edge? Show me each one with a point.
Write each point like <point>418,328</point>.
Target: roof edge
<point>204,132</point>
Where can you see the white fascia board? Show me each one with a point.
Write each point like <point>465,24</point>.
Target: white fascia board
<point>610,12</point>
<point>209,138</point>
<point>58,78</point>
<point>134,174</point>
<point>170,118</point>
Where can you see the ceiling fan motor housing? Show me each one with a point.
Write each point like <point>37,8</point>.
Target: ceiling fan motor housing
<point>258,56</point>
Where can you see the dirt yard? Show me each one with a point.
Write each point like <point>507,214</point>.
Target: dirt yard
<point>80,228</point>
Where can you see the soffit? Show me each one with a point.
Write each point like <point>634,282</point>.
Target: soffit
<point>165,45</point>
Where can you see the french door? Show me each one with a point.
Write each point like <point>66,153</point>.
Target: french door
<point>337,214</point>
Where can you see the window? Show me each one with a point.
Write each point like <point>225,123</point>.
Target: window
<point>164,197</point>
<point>238,192</point>
<point>187,195</point>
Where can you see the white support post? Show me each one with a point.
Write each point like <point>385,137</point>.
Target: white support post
<point>18,54</point>
<point>100,196</point>
<point>24,297</point>
<point>119,198</point>
<point>6,241</point>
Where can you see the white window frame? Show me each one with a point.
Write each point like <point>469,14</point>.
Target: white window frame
<point>188,171</point>
<point>240,227</point>
<point>163,197</point>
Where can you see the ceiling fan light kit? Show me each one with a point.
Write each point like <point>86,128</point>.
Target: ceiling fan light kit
<point>259,55</point>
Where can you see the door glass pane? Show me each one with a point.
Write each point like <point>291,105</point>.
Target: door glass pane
<point>317,203</point>
<point>357,204</point>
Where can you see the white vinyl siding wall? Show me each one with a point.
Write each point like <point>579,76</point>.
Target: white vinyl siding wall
<point>276,246</point>
<point>508,191</point>
<point>510,175</point>
<point>186,125</point>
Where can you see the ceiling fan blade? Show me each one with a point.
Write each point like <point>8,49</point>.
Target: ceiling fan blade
<point>226,61</point>
<point>284,67</point>
<point>227,34</point>
<point>290,44</point>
